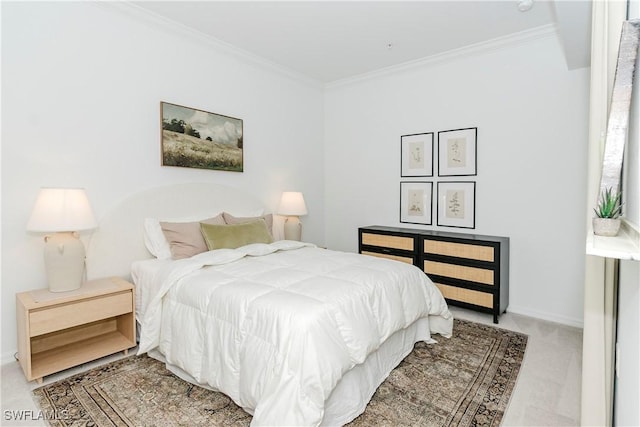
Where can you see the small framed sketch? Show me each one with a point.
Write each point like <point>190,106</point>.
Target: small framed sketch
<point>457,204</point>
<point>415,202</point>
<point>457,154</point>
<point>417,154</point>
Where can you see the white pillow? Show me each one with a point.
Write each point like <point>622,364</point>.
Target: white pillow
<point>155,240</point>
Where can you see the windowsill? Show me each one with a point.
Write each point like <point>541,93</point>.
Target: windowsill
<point>626,245</point>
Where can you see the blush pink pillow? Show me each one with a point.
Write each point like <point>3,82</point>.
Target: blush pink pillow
<point>185,238</point>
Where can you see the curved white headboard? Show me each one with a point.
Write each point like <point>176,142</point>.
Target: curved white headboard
<point>119,238</point>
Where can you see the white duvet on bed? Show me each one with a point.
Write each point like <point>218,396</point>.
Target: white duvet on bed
<point>275,327</point>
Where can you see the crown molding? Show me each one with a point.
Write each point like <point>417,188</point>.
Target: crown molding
<point>499,43</point>
<point>160,22</point>
<point>152,19</point>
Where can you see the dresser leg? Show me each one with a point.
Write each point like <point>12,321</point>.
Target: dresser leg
<point>39,380</point>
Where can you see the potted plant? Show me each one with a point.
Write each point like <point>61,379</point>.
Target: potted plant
<point>608,211</point>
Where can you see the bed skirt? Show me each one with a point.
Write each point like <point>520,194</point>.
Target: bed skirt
<point>356,388</point>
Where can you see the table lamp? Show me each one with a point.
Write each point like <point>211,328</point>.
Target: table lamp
<point>292,206</point>
<point>64,211</point>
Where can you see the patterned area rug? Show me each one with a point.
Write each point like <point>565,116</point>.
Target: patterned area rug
<point>462,381</point>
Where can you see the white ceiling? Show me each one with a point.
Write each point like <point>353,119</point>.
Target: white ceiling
<point>333,40</point>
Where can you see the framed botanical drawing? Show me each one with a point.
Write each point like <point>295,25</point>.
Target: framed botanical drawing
<point>416,153</point>
<point>198,139</point>
<point>415,202</point>
<point>457,154</point>
<point>457,204</point>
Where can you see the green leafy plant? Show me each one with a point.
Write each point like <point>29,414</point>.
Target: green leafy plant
<point>609,205</point>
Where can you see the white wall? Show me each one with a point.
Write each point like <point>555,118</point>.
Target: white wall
<point>631,178</point>
<point>627,411</point>
<point>531,115</point>
<point>81,88</point>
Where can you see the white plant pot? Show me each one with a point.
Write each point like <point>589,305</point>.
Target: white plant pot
<point>606,226</point>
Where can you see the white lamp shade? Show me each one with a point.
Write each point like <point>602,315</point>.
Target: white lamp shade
<point>292,204</point>
<point>61,209</point>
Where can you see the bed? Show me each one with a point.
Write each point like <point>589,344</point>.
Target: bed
<point>293,333</point>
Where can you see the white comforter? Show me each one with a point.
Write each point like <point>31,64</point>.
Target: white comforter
<point>276,326</point>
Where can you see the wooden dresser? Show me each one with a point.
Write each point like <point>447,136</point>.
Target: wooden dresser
<point>471,270</point>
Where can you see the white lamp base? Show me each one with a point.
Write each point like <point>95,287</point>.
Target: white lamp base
<point>64,257</point>
<point>292,228</point>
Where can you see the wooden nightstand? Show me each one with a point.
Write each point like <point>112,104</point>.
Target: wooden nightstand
<point>57,331</point>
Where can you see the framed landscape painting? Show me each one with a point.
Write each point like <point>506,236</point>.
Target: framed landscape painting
<point>194,138</point>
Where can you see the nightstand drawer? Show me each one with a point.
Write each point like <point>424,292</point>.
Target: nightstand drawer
<point>79,313</point>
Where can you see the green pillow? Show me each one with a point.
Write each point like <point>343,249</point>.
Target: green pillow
<point>233,236</point>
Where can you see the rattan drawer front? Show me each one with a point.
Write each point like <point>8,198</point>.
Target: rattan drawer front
<point>460,250</point>
<point>79,313</point>
<point>384,241</point>
<point>474,274</point>
<point>466,295</point>
<point>389,256</point>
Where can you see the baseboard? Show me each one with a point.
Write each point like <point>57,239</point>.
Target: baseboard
<point>8,357</point>
<point>565,320</point>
